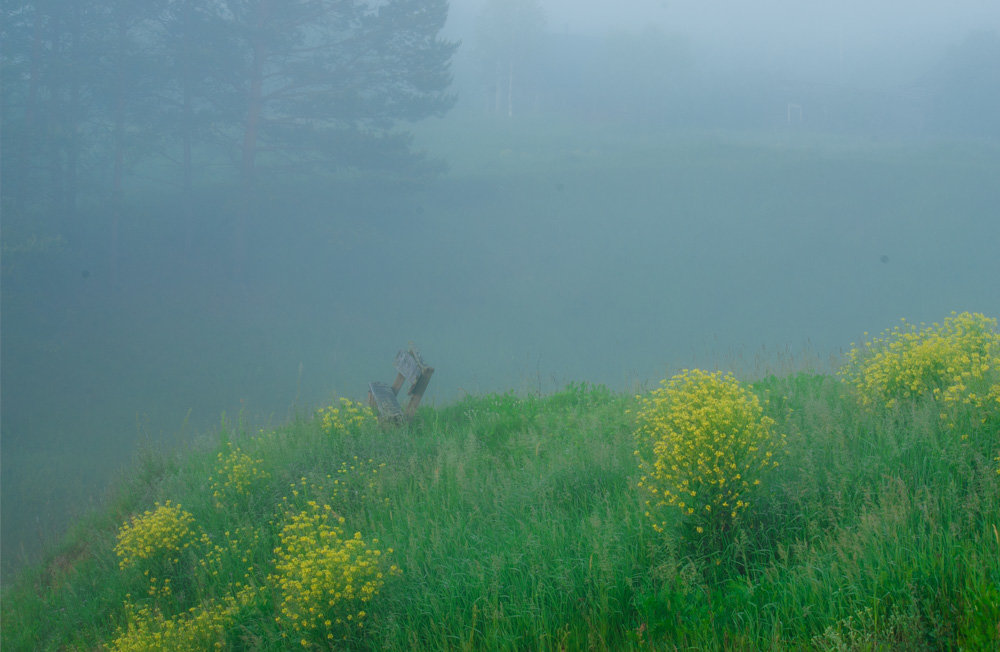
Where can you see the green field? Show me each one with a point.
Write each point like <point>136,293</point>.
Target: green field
<point>515,521</point>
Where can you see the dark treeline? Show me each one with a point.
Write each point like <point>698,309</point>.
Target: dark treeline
<point>107,100</point>
<point>101,97</point>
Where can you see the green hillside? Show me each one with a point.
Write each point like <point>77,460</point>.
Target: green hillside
<point>861,511</point>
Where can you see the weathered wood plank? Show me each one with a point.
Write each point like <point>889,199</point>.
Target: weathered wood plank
<point>409,365</point>
<point>383,401</point>
<point>417,391</point>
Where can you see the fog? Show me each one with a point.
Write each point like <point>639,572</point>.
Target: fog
<point>532,194</point>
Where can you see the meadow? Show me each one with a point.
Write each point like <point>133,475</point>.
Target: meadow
<point>860,513</point>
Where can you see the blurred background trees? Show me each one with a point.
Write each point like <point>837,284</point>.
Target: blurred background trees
<point>102,98</point>
<point>509,35</point>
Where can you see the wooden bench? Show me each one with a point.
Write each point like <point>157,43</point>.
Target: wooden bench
<point>410,369</point>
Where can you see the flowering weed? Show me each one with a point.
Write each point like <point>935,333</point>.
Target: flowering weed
<point>704,446</point>
<point>349,415</point>
<point>950,361</point>
<point>956,364</point>
<point>158,534</point>
<point>323,579</point>
<point>236,475</point>
<point>200,628</point>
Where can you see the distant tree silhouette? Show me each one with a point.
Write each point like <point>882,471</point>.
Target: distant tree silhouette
<point>325,81</point>
<point>93,85</point>
<point>509,33</point>
<point>195,55</point>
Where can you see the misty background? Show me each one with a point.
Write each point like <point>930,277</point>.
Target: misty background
<point>226,213</point>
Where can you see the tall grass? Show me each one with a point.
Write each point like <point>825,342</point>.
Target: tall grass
<point>516,522</point>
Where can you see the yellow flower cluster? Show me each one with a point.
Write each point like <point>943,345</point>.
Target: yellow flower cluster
<point>236,474</point>
<point>161,533</point>
<point>703,445</point>
<point>348,415</point>
<point>949,361</point>
<point>322,579</point>
<point>200,628</point>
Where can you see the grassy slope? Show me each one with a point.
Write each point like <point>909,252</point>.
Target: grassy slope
<point>516,524</point>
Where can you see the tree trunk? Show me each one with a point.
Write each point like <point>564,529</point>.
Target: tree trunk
<point>510,89</point>
<point>187,135</point>
<point>49,138</point>
<point>29,140</point>
<point>497,86</point>
<point>187,177</point>
<point>73,130</point>
<point>255,101</point>
<point>248,172</point>
<point>118,172</point>
<point>116,184</point>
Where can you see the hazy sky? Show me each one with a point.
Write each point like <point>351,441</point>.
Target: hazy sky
<point>764,22</point>
<point>764,19</point>
<point>809,35</point>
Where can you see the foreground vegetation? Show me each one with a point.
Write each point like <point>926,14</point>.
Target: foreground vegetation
<point>850,511</point>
